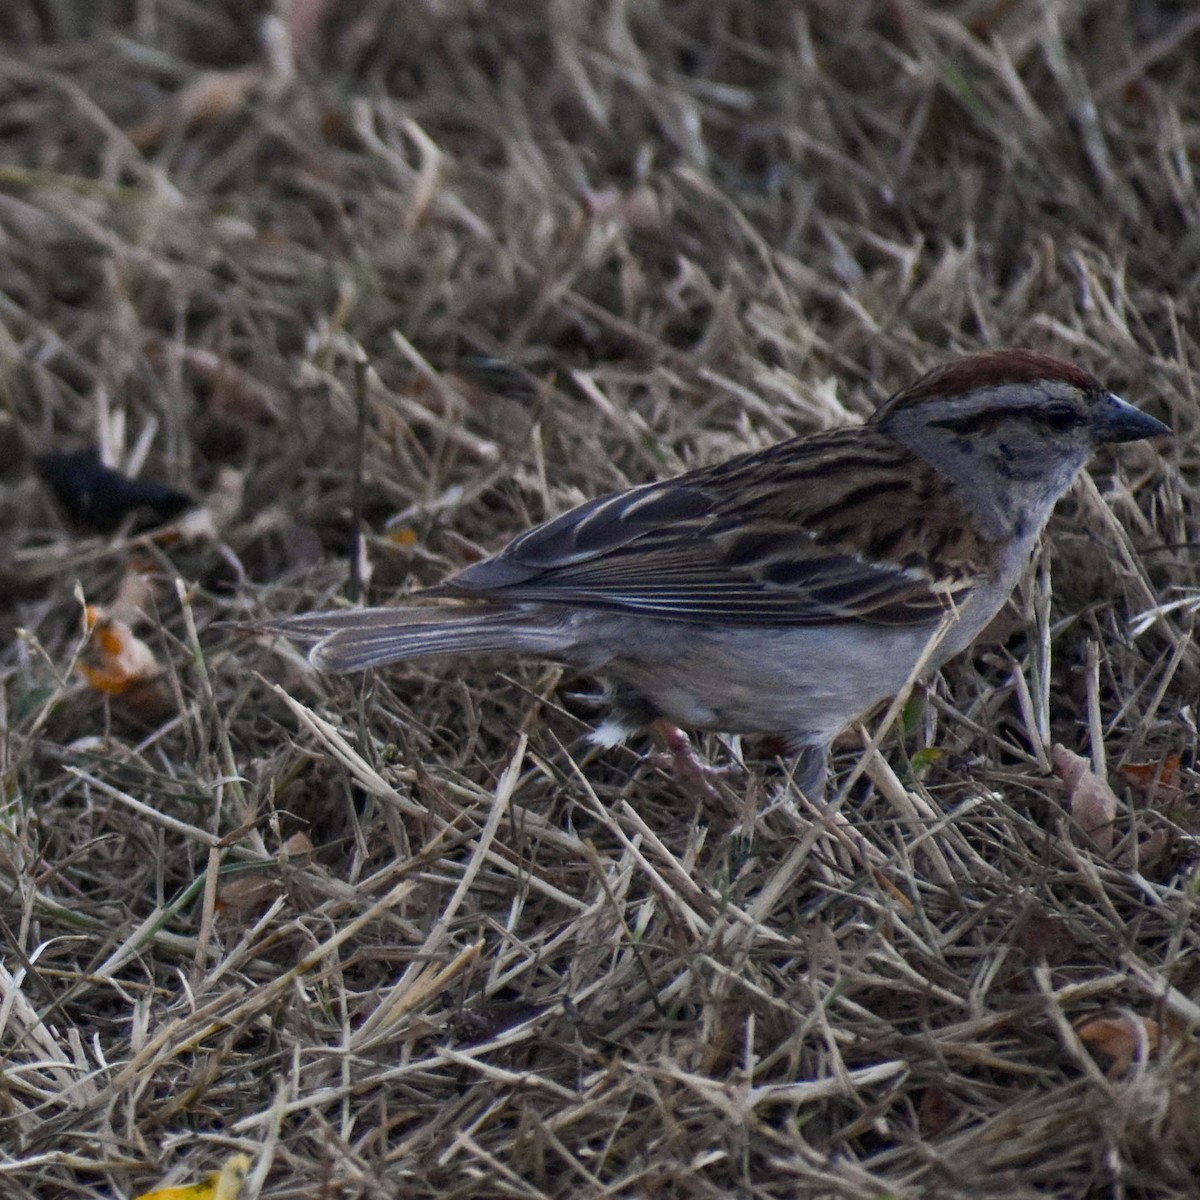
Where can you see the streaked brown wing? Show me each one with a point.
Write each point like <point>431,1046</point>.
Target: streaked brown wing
<point>761,540</point>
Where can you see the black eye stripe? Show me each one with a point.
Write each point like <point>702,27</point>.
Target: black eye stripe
<point>1061,417</point>
<point>973,423</point>
<point>1058,416</point>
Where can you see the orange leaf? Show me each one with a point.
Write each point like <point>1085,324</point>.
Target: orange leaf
<point>404,537</point>
<point>892,890</point>
<point>1146,775</point>
<point>1123,1038</point>
<point>114,660</point>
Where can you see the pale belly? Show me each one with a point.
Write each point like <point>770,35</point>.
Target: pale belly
<point>804,683</point>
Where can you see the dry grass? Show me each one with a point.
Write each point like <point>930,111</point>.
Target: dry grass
<point>580,245</point>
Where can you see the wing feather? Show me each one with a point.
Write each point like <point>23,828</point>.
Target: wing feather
<point>818,534</point>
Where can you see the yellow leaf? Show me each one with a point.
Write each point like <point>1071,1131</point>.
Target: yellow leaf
<point>404,537</point>
<point>224,1184</point>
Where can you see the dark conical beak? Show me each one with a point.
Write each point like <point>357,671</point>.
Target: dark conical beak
<point>1116,421</point>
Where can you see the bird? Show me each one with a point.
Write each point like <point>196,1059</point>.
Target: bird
<point>785,591</point>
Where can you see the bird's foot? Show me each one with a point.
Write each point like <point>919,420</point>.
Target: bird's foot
<point>690,768</point>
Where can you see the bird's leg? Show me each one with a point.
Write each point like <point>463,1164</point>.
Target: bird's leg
<point>809,777</point>
<point>690,767</point>
<point>811,770</point>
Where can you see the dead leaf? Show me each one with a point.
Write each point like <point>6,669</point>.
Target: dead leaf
<point>1123,1037</point>
<point>117,663</point>
<point>937,1108</point>
<point>1093,803</point>
<point>886,885</point>
<point>1147,853</point>
<point>210,98</point>
<point>1045,937</point>
<point>114,659</point>
<point>214,96</point>
<point>297,846</point>
<point>236,393</point>
<point>1163,775</point>
<point>136,590</point>
<point>245,896</point>
<point>640,209</point>
<point>404,537</point>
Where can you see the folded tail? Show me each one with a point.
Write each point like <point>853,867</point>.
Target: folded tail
<point>347,640</point>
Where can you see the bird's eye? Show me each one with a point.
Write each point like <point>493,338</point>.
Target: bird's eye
<point>1061,417</point>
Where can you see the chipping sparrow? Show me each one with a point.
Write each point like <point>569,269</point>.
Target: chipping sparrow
<point>785,591</point>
